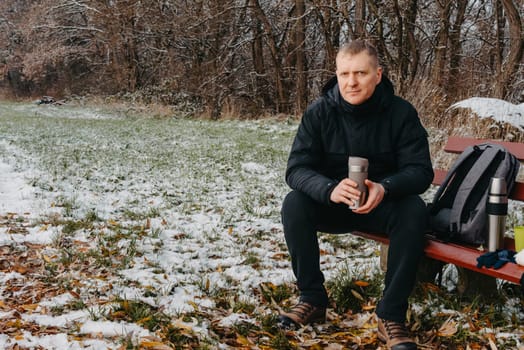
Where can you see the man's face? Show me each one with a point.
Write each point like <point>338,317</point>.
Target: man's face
<point>357,77</point>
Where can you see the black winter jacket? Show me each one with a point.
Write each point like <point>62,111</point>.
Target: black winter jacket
<point>385,129</point>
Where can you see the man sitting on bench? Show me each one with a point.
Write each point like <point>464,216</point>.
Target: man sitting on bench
<point>358,115</point>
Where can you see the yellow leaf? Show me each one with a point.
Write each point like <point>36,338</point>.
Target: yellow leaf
<point>112,222</point>
<point>29,307</point>
<point>155,345</point>
<point>150,344</point>
<point>230,229</point>
<point>193,304</point>
<point>243,340</point>
<point>118,315</point>
<point>20,269</point>
<point>14,323</point>
<point>46,258</point>
<point>19,337</point>
<point>144,320</point>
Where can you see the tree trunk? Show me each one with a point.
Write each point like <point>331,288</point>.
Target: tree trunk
<point>411,17</point>
<point>300,41</point>
<point>455,47</point>
<point>442,42</point>
<point>330,26</point>
<point>273,48</point>
<point>401,57</point>
<point>516,46</point>
<point>387,61</point>
<point>257,54</point>
<point>360,19</point>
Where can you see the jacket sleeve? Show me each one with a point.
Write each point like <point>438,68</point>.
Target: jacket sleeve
<point>414,169</point>
<point>305,159</point>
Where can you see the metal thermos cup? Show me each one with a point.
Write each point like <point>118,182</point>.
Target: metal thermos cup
<point>497,209</point>
<point>358,172</point>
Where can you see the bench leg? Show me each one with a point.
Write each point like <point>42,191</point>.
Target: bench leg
<point>384,256</point>
<point>429,269</point>
<point>474,283</point>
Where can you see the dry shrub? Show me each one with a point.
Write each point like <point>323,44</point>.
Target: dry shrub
<point>433,105</point>
<point>430,102</point>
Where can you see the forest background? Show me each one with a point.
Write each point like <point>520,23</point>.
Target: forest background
<point>250,58</point>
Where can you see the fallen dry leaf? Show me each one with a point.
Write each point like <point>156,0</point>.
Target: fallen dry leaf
<point>448,328</point>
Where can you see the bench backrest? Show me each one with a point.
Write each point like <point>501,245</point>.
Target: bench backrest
<point>456,144</point>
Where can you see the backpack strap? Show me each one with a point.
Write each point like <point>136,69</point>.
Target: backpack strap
<point>477,170</point>
<point>509,170</point>
<point>451,173</point>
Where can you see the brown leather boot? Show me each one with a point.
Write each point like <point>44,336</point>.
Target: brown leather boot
<point>395,335</point>
<point>302,314</point>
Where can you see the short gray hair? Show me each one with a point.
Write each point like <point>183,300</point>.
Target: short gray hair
<point>357,46</point>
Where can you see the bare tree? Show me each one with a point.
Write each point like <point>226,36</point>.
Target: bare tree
<point>506,70</point>
<point>455,52</point>
<point>254,56</point>
<point>301,66</point>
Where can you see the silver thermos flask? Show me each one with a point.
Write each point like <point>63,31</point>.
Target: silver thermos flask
<point>358,172</point>
<point>497,209</point>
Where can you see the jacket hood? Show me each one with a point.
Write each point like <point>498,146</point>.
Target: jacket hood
<point>381,98</point>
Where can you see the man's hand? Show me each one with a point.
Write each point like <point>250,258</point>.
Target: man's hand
<point>346,192</point>
<point>375,196</point>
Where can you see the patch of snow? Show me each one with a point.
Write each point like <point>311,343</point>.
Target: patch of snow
<point>254,168</point>
<point>17,196</point>
<point>109,329</point>
<point>57,321</point>
<point>235,319</point>
<point>499,110</point>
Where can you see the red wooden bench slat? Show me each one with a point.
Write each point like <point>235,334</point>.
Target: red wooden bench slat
<point>467,257</point>
<point>457,144</point>
<point>459,255</point>
<point>516,194</point>
<point>462,255</point>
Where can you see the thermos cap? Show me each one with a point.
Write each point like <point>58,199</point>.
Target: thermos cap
<point>497,186</point>
<point>358,161</point>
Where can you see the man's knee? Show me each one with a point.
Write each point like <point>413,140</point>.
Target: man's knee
<point>406,229</point>
<point>295,201</point>
<point>413,207</point>
<point>297,207</point>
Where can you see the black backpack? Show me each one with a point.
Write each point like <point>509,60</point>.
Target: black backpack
<point>458,210</point>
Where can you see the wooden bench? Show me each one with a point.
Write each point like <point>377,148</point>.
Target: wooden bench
<point>463,255</point>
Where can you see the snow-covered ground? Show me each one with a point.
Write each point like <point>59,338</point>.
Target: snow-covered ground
<point>194,206</point>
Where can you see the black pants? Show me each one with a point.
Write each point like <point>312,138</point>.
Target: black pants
<point>403,220</point>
